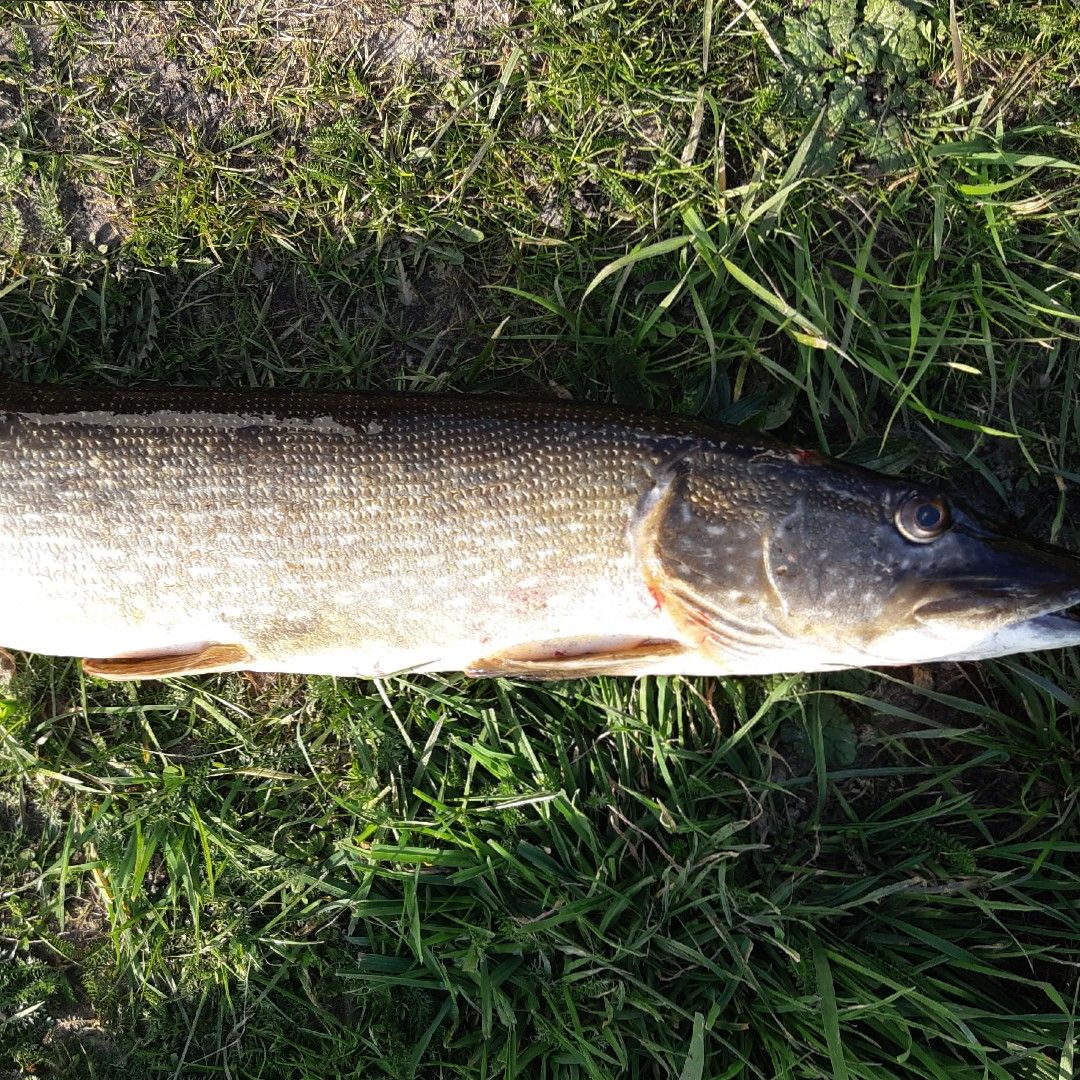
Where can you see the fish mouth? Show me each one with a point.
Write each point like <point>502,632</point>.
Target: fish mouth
<point>1029,627</point>
<point>1056,627</point>
<point>979,597</point>
<point>1072,612</point>
<point>1066,619</point>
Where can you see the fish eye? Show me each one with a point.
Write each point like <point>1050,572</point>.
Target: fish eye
<point>921,519</point>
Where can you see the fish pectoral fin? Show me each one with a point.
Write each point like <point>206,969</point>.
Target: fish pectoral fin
<point>163,665</point>
<point>554,663</point>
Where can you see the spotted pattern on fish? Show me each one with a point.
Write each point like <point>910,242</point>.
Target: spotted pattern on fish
<point>352,534</point>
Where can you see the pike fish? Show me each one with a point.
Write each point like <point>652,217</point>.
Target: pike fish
<point>165,532</point>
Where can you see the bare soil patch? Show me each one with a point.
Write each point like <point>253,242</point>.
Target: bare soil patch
<point>120,80</point>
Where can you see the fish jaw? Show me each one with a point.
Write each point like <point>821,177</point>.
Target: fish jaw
<point>1013,596</point>
<point>1057,629</point>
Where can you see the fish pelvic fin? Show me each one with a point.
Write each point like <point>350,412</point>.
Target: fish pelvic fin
<point>165,665</point>
<point>550,662</point>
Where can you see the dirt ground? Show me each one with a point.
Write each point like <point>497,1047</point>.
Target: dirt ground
<point>88,80</point>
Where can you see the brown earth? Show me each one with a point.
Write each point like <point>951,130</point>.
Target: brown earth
<point>162,75</point>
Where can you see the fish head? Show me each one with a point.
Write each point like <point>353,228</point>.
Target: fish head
<point>811,564</point>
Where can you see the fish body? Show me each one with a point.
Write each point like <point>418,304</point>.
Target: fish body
<point>172,531</point>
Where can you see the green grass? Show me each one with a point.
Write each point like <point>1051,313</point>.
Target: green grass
<point>807,223</point>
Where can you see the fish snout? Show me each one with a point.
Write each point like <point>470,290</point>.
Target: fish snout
<point>1002,579</point>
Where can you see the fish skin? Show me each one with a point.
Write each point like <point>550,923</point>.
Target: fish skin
<point>364,535</point>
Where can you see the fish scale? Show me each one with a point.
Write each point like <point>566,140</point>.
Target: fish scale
<point>171,531</point>
<point>320,532</point>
